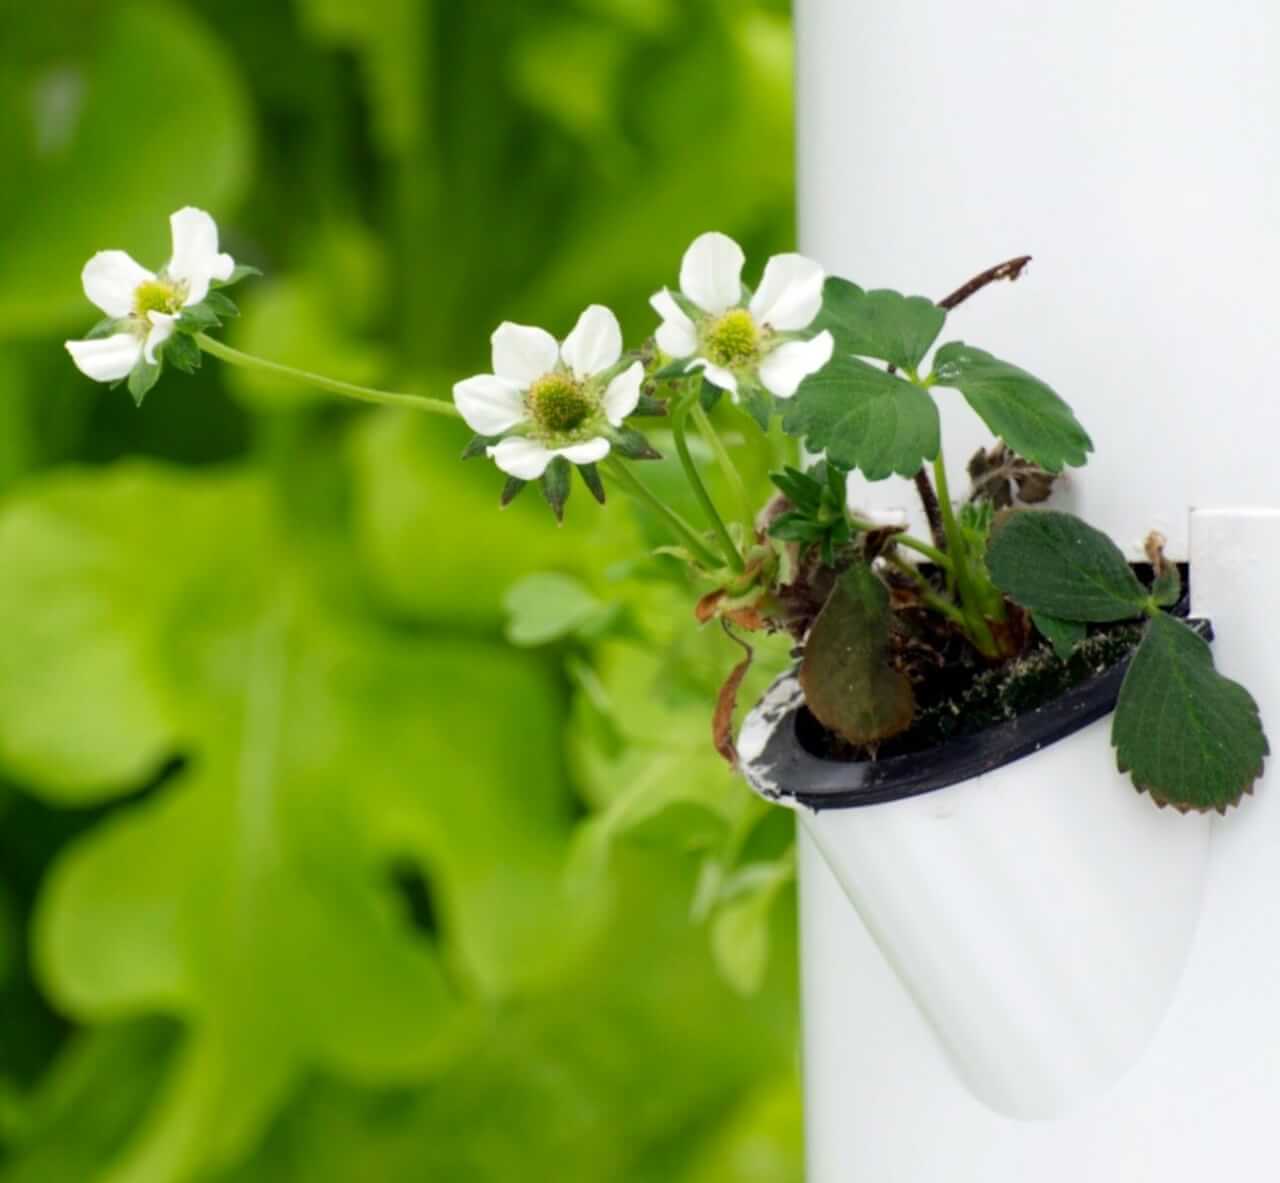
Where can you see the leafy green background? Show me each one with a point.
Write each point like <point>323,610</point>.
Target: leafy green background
<point>307,870</point>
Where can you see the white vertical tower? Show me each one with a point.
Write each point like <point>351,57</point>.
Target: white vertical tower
<point>1133,148</point>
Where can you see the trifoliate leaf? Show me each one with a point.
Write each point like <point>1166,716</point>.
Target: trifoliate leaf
<point>1054,564</point>
<point>555,485</point>
<point>1063,635</point>
<point>1018,407</point>
<point>887,325</point>
<point>847,680</point>
<point>143,377</point>
<point>1187,735</point>
<point>591,478</point>
<point>864,418</point>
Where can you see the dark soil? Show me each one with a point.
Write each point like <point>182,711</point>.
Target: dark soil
<point>959,694</point>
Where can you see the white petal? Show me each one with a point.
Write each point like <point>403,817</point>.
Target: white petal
<point>161,330</point>
<point>196,259</point>
<point>790,293</point>
<point>711,272</point>
<point>595,343</point>
<point>107,359</point>
<point>586,453</point>
<point>488,404</point>
<point>522,354</point>
<point>110,278</point>
<point>676,334</point>
<point>623,393</point>
<point>520,457</point>
<point>792,362</point>
<point>721,377</point>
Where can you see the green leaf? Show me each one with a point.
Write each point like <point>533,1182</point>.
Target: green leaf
<point>1019,408</point>
<point>142,379</point>
<point>886,325</point>
<point>549,607</point>
<point>110,181</point>
<point>1063,635</point>
<point>740,927</point>
<point>1054,564</point>
<point>848,682</point>
<point>864,418</point>
<point>1187,735</point>
<point>250,897</point>
<point>555,485</point>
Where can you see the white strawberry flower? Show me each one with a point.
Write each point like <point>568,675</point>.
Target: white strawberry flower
<point>738,338</point>
<point>146,305</point>
<point>550,400</point>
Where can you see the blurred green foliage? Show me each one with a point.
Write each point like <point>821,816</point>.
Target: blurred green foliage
<point>307,871</point>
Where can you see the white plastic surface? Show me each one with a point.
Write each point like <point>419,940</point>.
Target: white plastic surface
<point>1039,915</point>
<point>1133,149</point>
<point>894,1097</point>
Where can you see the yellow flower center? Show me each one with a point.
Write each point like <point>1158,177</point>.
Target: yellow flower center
<point>733,339</point>
<point>156,295</point>
<point>559,405</point>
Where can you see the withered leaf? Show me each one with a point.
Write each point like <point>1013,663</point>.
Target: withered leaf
<point>848,682</point>
<point>727,701</point>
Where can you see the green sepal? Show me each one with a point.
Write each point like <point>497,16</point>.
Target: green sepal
<point>757,402</point>
<point>1018,407</point>
<point>222,305</point>
<point>104,328</point>
<point>864,418</point>
<point>709,395</point>
<point>649,407</point>
<point>555,485</point>
<point>1053,563</point>
<point>1063,635</point>
<point>591,478</point>
<point>181,352</point>
<point>511,490</point>
<point>672,370</point>
<point>632,444</point>
<point>1166,588</point>
<point>882,324</point>
<point>241,271</point>
<point>198,318</point>
<point>142,379</point>
<point>1185,734</point>
<point>477,445</point>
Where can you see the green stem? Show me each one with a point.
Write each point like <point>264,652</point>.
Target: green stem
<point>927,593</point>
<point>708,431</point>
<point>932,553</point>
<point>678,419</point>
<point>641,492</point>
<point>971,599</point>
<point>364,394</point>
